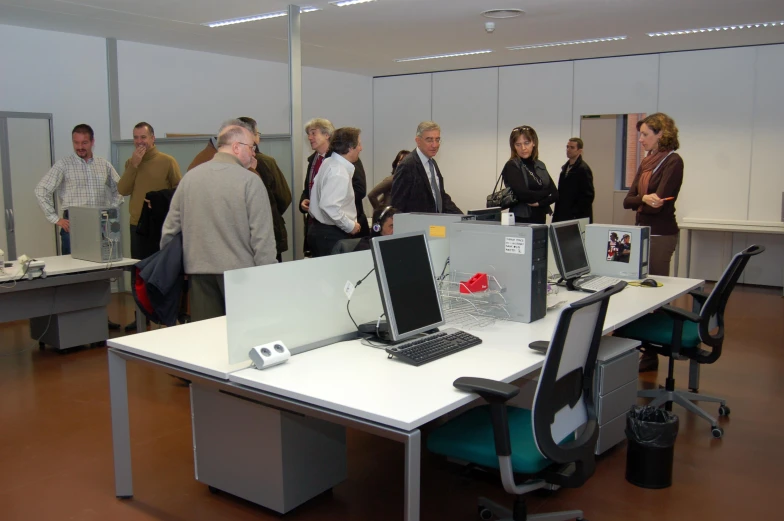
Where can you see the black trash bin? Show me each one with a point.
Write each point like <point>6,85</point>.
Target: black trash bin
<point>651,434</point>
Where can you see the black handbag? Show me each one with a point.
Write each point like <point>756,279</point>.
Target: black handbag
<point>503,198</point>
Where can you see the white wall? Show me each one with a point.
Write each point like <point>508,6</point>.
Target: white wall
<point>182,91</point>
<point>58,73</point>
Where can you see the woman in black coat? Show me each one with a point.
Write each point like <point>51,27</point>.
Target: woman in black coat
<point>528,178</point>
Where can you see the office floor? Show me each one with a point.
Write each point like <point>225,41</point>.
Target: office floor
<point>56,459</point>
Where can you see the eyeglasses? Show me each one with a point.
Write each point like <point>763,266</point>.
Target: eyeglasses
<point>431,140</point>
<point>521,129</point>
<point>252,147</point>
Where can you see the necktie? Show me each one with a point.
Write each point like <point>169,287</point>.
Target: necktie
<point>316,166</point>
<point>434,185</point>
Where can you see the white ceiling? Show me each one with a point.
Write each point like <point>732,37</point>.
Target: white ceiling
<point>366,38</point>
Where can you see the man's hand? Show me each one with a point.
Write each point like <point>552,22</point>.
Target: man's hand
<point>356,229</point>
<point>64,224</point>
<point>305,205</point>
<point>533,204</point>
<point>148,203</point>
<point>138,154</point>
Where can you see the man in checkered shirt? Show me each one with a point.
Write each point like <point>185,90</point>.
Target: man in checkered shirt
<point>79,180</point>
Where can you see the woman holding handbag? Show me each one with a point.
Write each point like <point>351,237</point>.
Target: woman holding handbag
<point>528,178</point>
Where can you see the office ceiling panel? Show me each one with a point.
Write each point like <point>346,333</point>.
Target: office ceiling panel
<point>367,38</point>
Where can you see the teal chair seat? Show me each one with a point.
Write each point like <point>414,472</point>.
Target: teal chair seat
<point>469,437</point>
<point>656,328</point>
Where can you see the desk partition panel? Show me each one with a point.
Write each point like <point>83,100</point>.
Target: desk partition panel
<point>301,303</point>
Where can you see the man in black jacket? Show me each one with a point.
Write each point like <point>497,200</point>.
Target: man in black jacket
<point>319,132</point>
<point>575,186</point>
<point>418,185</point>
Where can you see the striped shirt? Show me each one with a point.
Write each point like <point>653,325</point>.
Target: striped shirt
<point>78,183</point>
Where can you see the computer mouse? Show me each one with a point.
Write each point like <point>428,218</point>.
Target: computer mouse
<point>650,283</point>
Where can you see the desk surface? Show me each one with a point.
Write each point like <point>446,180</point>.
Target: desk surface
<point>65,264</point>
<point>358,380</point>
<point>731,226</point>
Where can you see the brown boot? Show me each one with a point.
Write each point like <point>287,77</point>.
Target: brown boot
<point>649,361</point>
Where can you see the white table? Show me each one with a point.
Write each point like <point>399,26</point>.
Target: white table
<point>715,225</point>
<point>67,305</point>
<point>350,384</point>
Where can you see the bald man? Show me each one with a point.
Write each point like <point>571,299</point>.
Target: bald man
<point>223,212</point>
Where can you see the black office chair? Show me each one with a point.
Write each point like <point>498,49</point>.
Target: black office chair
<point>677,333</point>
<point>542,443</point>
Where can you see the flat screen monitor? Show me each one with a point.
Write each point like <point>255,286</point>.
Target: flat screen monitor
<point>408,287</point>
<point>569,250</point>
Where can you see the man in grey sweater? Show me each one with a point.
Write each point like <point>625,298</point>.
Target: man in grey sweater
<point>223,212</point>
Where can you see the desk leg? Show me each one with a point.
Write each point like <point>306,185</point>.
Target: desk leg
<point>413,461</point>
<point>121,434</point>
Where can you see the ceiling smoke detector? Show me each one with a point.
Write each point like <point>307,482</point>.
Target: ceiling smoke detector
<point>499,14</point>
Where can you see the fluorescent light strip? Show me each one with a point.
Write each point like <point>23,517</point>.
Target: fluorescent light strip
<point>573,42</point>
<point>759,25</point>
<point>450,55</point>
<point>344,3</point>
<point>256,17</point>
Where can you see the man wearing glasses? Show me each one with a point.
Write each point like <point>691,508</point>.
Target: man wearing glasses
<point>223,212</point>
<point>418,185</point>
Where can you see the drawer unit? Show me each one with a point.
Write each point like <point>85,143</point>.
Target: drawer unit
<point>615,388</point>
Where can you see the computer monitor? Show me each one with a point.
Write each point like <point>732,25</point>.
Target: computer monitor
<point>408,287</point>
<point>569,250</point>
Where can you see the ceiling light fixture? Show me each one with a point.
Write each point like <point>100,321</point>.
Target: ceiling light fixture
<point>344,3</point>
<point>500,14</point>
<point>257,17</point>
<point>573,42</point>
<point>450,55</point>
<point>759,25</point>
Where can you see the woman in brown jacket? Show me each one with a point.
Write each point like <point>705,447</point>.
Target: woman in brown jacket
<point>653,194</point>
<point>655,188</point>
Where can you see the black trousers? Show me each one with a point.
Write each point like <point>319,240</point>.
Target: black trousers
<point>323,237</point>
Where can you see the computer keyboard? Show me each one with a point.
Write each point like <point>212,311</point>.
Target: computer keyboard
<point>596,283</point>
<point>425,349</point>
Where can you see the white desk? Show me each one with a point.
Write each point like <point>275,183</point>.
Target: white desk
<point>714,225</point>
<point>350,384</point>
<point>67,305</point>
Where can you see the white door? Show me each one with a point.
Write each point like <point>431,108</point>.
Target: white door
<point>29,158</point>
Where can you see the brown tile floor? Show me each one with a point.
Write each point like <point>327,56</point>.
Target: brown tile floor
<point>56,460</point>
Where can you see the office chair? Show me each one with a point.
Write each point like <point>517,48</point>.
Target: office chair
<point>677,333</point>
<point>542,443</point>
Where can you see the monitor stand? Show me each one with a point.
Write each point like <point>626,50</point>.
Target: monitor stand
<point>378,329</point>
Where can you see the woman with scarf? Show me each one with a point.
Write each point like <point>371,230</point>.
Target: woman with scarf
<point>528,178</point>
<point>655,188</point>
<point>653,194</point>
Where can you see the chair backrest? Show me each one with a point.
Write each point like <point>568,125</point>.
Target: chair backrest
<point>717,301</point>
<point>563,402</point>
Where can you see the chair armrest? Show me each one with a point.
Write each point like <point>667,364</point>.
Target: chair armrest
<point>492,391</point>
<point>680,314</point>
<point>699,296</point>
<point>497,394</point>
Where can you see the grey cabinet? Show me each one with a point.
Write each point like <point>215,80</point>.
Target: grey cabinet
<point>615,388</point>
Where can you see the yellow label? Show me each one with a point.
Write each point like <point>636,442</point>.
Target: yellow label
<point>438,231</point>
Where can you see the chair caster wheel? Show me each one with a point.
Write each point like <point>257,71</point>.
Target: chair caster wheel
<point>724,410</point>
<point>212,489</point>
<point>484,513</point>
<point>717,432</point>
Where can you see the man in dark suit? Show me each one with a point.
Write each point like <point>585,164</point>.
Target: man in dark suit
<point>575,185</point>
<point>319,132</point>
<point>418,185</point>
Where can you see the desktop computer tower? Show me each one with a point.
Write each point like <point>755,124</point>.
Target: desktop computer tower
<point>616,250</point>
<point>96,234</point>
<point>515,255</point>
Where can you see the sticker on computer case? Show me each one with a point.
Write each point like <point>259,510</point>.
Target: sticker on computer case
<point>515,245</point>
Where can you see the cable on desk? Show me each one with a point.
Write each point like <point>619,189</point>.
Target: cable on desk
<point>348,303</point>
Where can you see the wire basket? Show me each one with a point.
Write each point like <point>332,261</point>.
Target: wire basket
<point>468,309</point>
